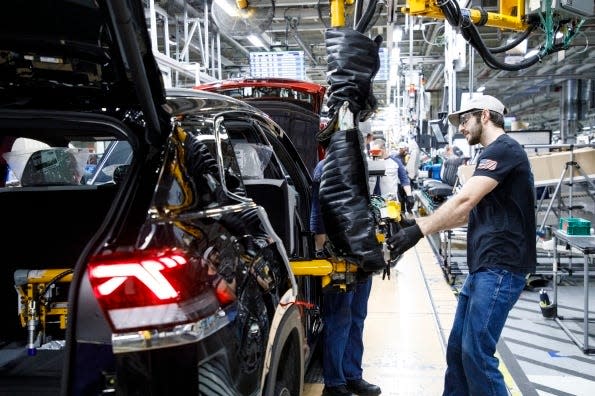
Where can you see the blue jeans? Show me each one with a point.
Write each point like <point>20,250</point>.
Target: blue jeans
<point>343,314</point>
<point>484,302</point>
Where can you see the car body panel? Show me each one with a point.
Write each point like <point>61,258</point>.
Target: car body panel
<point>294,104</point>
<point>232,327</point>
<point>270,88</point>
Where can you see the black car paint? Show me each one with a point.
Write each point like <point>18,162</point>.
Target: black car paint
<point>63,227</point>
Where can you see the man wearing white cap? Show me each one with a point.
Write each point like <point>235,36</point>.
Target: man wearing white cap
<point>497,204</point>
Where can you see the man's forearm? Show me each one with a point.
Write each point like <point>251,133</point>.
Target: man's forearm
<point>453,213</point>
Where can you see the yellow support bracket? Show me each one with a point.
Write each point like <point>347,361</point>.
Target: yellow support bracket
<point>337,273</point>
<point>511,13</point>
<point>338,12</point>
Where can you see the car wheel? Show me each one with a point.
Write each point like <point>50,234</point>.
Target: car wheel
<point>286,374</point>
<point>281,389</point>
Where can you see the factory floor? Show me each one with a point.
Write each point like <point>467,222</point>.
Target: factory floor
<point>410,316</point>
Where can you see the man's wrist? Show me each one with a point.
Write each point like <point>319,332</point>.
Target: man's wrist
<point>417,232</point>
<point>422,225</point>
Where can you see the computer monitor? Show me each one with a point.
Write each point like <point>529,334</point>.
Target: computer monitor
<point>533,137</point>
<point>438,127</point>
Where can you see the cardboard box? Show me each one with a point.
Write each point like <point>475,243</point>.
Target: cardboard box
<point>548,167</point>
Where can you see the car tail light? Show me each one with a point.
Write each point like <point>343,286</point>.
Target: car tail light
<point>151,289</point>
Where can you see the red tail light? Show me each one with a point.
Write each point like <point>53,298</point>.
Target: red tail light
<point>151,289</point>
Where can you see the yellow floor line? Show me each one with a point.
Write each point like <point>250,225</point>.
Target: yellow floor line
<point>510,382</point>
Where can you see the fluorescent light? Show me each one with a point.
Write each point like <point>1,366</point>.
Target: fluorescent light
<point>256,41</point>
<point>481,89</point>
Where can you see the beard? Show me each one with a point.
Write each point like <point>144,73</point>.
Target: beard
<point>474,134</point>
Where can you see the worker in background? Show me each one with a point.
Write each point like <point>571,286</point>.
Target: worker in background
<point>395,179</point>
<point>343,315</point>
<point>497,205</point>
<point>413,163</point>
<point>403,191</point>
<point>403,152</point>
<point>369,140</point>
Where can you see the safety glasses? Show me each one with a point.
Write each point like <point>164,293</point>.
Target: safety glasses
<point>467,116</point>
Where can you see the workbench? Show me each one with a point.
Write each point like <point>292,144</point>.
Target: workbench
<point>586,245</point>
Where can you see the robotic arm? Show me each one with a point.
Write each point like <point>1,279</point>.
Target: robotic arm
<point>550,16</point>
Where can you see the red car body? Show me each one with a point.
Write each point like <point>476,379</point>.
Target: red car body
<point>293,104</point>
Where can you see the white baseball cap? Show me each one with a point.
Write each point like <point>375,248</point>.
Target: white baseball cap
<point>479,102</point>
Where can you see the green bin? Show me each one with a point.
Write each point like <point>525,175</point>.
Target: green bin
<point>575,226</point>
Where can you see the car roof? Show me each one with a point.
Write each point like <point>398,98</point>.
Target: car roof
<point>316,90</point>
<point>207,103</point>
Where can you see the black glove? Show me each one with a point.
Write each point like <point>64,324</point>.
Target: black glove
<point>405,222</point>
<point>405,239</point>
<point>410,202</point>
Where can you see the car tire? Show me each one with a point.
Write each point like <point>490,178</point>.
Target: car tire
<point>286,374</point>
<point>281,389</point>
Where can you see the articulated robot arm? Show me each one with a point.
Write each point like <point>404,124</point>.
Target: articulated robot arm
<point>507,18</point>
<point>560,20</point>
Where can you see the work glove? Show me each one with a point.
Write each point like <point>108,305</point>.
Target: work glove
<point>405,222</point>
<point>410,203</point>
<point>405,239</point>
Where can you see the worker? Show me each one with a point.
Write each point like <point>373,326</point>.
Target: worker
<point>413,162</point>
<point>403,152</point>
<point>343,315</point>
<point>498,205</point>
<point>369,140</point>
<point>395,178</point>
<point>404,191</point>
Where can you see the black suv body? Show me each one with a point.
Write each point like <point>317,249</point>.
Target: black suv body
<point>166,271</point>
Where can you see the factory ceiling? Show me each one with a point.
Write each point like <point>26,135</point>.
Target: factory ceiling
<point>537,95</point>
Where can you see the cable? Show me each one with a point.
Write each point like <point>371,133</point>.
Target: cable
<point>515,42</point>
<point>53,281</point>
<point>439,39</point>
<point>326,26</point>
<point>491,61</point>
<point>452,13</point>
<point>364,22</point>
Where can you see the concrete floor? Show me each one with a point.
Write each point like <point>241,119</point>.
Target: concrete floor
<point>409,320</point>
<point>403,334</point>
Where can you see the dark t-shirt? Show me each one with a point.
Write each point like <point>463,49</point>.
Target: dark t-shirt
<point>501,230</point>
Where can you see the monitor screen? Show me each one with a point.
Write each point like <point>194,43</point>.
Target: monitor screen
<point>532,137</point>
<point>436,127</point>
